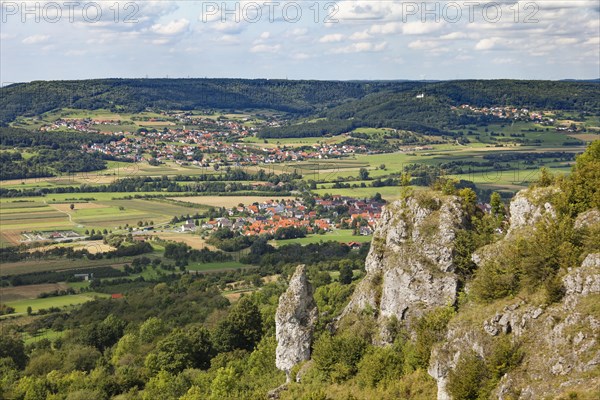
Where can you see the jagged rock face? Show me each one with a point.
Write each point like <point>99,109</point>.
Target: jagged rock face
<point>562,345</point>
<point>529,206</point>
<point>410,268</point>
<point>587,219</point>
<point>563,341</point>
<point>294,322</point>
<point>584,280</point>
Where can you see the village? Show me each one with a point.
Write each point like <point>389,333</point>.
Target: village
<point>507,112</point>
<point>218,142</point>
<point>266,218</point>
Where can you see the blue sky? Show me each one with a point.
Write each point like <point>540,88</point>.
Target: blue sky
<point>299,39</point>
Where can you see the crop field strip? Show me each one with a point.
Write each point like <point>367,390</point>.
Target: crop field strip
<point>21,306</point>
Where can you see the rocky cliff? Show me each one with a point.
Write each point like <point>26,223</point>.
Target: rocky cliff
<point>294,322</point>
<point>410,266</point>
<point>559,342</point>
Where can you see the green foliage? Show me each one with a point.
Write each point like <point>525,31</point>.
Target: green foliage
<point>430,329</point>
<point>495,280</point>
<point>546,178</point>
<point>151,329</point>
<point>309,129</point>
<point>242,329</point>
<point>42,363</point>
<point>31,388</point>
<point>224,386</point>
<point>530,262</point>
<point>12,346</point>
<point>166,386</point>
<point>363,174</point>
<point>80,358</point>
<point>331,299</point>
<point>172,354</point>
<point>469,200</point>
<point>346,272</point>
<point>583,186</point>
<point>380,364</point>
<point>498,209</point>
<point>474,378</point>
<point>103,334</point>
<point>337,357</point>
<point>468,378</point>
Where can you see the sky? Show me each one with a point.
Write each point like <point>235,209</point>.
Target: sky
<point>325,40</point>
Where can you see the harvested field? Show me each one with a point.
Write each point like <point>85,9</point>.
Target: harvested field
<point>235,296</point>
<point>10,237</point>
<point>93,246</point>
<point>29,291</point>
<point>228,201</point>
<point>194,241</point>
<point>66,207</point>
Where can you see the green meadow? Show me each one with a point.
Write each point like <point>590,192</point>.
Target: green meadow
<point>20,306</point>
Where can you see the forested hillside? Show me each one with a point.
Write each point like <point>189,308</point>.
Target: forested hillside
<point>367,103</point>
<point>133,95</point>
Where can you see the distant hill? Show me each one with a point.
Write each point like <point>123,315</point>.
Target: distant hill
<point>342,103</point>
<point>134,95</point>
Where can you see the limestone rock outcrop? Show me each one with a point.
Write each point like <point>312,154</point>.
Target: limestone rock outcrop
<point>562,339</point>
<point>294,322</point>
<point>530,206</point>
<point>410,267</point>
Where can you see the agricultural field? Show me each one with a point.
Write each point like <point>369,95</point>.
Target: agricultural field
<point>227,201</point>
<point>194,241</point>
<point>58,264</point>
<point>72,300</point>
<point>293,142</point>
<point>29,291</point>
<point>104,212</point>
<point>216,266</point>
<point>338,235</point>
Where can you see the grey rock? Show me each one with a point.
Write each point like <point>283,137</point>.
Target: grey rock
<point>295,319</point>
<point>410,266</point>
<point>529,206</point>
<point>587,219</point>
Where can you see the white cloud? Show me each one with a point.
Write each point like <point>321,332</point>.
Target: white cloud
<point>229,26</point>
<point>35,39</point>
<point>362,47</point>
<point>386,29</point>
<point>229,39</point>
<point>423,44</point>
<point>362,10</point>
<point>263,48</point>
<point>300,56</point>
<point>332,38</point>
<point>172,28</point>
<point>454,36</point>
<point>504,60</point>
<point>265,35</point>
<point>299,32</point>
<point>363,35</point>
<point>76,53</point>
<point>420,28</point>
<point>566,41</point>
<point>486,44</point>
<point>160,41</point>
<point>7,36</point>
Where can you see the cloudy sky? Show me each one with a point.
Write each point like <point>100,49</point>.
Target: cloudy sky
<point>367,39</point>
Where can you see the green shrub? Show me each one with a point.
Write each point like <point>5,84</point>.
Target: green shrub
<point>430,329</point>
<point>379,364</point>
<point>337,357</point>
<point>468,378</point>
